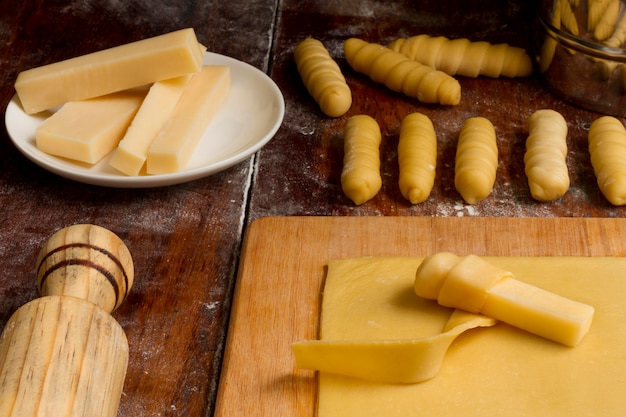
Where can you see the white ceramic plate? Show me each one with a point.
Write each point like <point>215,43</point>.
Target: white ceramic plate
<point>250,117</point>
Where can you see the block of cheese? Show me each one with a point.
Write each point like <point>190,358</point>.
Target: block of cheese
<point>495,371</point>
<point>475,285</point>
<point>156,109</point>
<point>203,97</point>
<point>115,69</point>
<point>88,130</point>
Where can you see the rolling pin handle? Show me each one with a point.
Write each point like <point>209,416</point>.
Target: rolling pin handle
<point>88,262</point>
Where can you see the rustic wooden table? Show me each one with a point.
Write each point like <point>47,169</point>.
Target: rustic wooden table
<point>185,239</point>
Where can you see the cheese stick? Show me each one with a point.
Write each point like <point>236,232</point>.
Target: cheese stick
<point>474,285</point>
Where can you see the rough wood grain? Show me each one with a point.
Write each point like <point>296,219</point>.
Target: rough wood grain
<point>184,239</point>
<point>63,353</point>
<point>283,267</point>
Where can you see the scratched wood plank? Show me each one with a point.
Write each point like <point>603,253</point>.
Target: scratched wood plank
<point>184,239</point>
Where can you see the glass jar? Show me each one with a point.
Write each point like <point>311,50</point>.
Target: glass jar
<point>581,52</point>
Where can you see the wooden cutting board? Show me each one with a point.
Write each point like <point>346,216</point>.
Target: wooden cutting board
<point>282,269</point>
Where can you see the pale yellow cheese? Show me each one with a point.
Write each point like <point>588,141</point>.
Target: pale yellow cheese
<point>544,313</point>
<point>202,98</point>
<point>88,130</point>
<point>475,285</point>
<point>497,371</point>
<point>156,109</point>
<point>467,283</point>
<point>110,70</point>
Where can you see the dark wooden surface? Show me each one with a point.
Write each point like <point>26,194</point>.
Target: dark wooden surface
<point>309,148</point>
<point>185,239</point>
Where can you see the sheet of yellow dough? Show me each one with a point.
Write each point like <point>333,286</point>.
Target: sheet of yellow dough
<point>496,371</point>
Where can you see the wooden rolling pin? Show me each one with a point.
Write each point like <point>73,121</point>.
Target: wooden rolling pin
<point>63,354</point>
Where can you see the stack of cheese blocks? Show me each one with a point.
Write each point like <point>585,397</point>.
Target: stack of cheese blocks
<point>149,102</point>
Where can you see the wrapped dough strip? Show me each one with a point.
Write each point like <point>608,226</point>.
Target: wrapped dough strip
<point>417,157</point>
<point>466,58</point>
<point>607,147</point>
<point>322,77</point>
<point>545,157</point>
<point>401,74</point>
<point>360,177</point>
<point>476,160</point>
